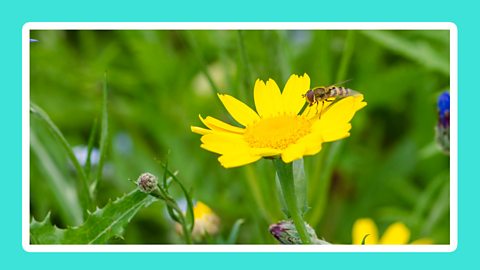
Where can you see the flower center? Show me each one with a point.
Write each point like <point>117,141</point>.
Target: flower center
<point>277,132</point>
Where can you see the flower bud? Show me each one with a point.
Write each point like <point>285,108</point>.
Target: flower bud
<point>147,182</point>
<point>442,130</point>
<point>286,233</point>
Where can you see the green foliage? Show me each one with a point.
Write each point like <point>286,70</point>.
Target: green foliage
<point>103,135</point>
<point>99,227</point>
<point>232,237</point>
<point>64,192</point>
<point>160,81</point>
<point>417,50</point>
<point>83,190</point>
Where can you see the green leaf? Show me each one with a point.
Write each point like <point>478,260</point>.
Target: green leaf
<point>103,134</point>
<point>63,190</point>
<point>324,182</point>
<point>300,182</point>
<point>83,191</point>
<point>346,56</point>
<point>439,209</point>
<point>287,185</point>
<point>190,217</point>
<point>100,226</point>
<point>419,51</point>
<point>365,239</point>
<point>91,141</point>
<point>281,196</point>
<point>232,237</point>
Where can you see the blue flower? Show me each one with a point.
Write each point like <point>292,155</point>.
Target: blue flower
<point>442,131</point>
<point>443,106</point>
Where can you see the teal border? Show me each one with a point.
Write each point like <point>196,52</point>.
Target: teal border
<point>14,15</point>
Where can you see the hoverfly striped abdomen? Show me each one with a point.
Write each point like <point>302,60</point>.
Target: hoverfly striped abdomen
<point>330,93</point>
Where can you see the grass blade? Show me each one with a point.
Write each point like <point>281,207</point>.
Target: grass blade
<point>232,237</point>
<point>103,134</point>
<point>325,179</point>
<point>83,190</point>
<point>69,205</point>
<point>346,56</point>
<point>198,54</point>
<point>420,52</point>
<point>91,141</point>
<point>247,76</point>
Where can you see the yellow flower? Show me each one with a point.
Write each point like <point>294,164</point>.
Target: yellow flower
<point>395,234</point>
<point>206,221</point>
<point>277,128</point>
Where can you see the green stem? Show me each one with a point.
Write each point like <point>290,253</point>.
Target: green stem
<point>186,233</point>
<point>161,194</point>
<point>285,176</point>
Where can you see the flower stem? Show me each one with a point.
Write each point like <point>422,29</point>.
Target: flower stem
<point>162,195</point>
<point>285,176</point>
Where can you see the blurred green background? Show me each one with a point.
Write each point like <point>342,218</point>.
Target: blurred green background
<point>160,81</point>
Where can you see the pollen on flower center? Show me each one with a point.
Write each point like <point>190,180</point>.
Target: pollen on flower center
<point>277,132</point>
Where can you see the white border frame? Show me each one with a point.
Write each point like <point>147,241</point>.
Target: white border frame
<point>231,26</point>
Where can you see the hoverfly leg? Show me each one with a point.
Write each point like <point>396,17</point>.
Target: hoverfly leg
<point>308,109</point>
<point>323,102</point>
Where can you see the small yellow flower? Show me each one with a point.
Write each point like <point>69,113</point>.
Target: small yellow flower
<point>206,221</point>
<point>395,234</point>
<point>276,128</point>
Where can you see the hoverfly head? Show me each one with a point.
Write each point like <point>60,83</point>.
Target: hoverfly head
<point>310,97</point>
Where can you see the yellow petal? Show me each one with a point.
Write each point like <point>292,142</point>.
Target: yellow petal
<point>224,143</point>
<point>362,227</point>
<point>268,100</point>
<point>199,130</point>
<point>295,151</point>
<point>265,152</point>
<point>217,125</point>
<point>292,93</point>
<point>200,210</point>
<point>423,241</point>
<point>314,145</point>
<point>239,110</point>
<point>342,111</point>
<point>396,234</point>
<point>332,132</point>
<point>230,161</point>
<point>308,145</point>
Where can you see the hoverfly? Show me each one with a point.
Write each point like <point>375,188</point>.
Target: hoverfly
<point>327,93</point>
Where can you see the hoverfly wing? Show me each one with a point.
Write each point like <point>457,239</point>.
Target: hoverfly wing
<point>354,93</point>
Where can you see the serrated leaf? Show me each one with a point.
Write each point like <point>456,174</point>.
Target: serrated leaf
<point>100,226</point>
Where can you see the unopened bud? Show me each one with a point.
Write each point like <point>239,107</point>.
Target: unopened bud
<point>286,233</point>
<point>147,182</point>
